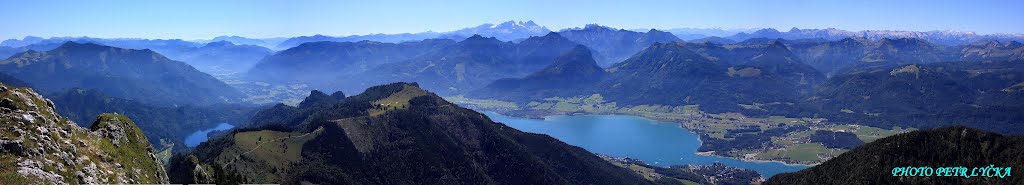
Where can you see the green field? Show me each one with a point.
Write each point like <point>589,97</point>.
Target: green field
<point>281,147</point>
<point>485,104</point>
<point>868,134</point>
<point>806,152</point>
<point>165,154</point>
<point>399,100</point>
<point>262,154</point>
<point>262,92</point>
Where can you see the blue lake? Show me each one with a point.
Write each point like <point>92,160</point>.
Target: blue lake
<point>654,142</point>
<point>200,136</point>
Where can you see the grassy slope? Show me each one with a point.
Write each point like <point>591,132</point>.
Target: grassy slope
<point>134,154</point>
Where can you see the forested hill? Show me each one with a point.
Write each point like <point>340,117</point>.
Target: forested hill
<point>394,134</point>
<point>873,163</point>
<point>139,75</point>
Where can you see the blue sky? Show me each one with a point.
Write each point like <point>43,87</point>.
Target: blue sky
<point>199,19</point>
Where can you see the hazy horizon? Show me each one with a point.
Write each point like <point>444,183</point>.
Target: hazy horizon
<point>200,20</point>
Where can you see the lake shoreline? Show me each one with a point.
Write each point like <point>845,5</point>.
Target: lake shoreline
<point>686,152</point>
<point>535,116</point>
<point>710,153</point>
<point>200,136</point>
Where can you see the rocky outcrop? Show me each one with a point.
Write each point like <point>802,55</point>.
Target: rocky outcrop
<point>39,146</point>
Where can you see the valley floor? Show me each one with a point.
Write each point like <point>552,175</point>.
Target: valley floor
<point>776,138</point>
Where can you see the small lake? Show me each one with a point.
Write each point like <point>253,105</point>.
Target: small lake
<point>200,136</point>
<point>654,142</point>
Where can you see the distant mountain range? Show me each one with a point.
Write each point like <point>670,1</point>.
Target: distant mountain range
<point>832,57</point>
<point>262,42</point>
<point>222,57</point>
<point>442,65</point>
<point>750,71</point>
<point>673,74</point>
<point>138,75</point>
<point>389,38</point>
<point>949,37</point>
<point>892,82</point>
<point>319,61</point>
<point>473,63</point>
<point>689,34</point>
<point>518,30</point>
<point>612,45</point>
<point>507,31</point>
<point>219,58</point>
<point>159,45</point>
<point>28,40</point>
<point>563,77</point>
<point>10,51</point>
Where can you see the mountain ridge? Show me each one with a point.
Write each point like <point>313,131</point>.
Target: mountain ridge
<point>36,146</point>
<point>126,73</point>
<point>946,37</point>
<point>505,31</point>
<point>438,138</point>
<point>570,73</point>
<point>947,147</point>
<point>474,62</point>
